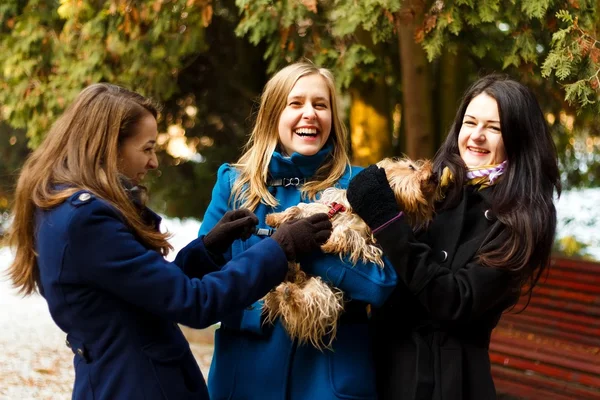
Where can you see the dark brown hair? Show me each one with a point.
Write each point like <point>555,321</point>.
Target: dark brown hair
<point>523,198</point>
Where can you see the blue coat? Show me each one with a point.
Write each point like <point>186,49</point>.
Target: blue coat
<point>120,302</point>
<point>256,361</point>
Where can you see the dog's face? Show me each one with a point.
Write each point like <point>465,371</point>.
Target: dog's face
<point>415,186</point>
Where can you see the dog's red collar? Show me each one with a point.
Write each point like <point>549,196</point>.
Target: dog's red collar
<point>335,208</point>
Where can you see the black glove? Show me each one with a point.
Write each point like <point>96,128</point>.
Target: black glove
<point>371,197</point>
<point>303,236</point>
<point>236,224</point>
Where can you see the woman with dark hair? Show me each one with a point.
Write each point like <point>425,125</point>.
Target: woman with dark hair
<point>85,240</point>
<point>488,244</point>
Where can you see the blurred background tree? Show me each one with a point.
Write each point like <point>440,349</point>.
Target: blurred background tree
<point>183,53</point>
<point>401,66</point>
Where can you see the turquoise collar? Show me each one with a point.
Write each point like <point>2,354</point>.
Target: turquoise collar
<point>298,165</point>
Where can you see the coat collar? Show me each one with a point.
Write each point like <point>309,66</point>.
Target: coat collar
<point>298,165</point>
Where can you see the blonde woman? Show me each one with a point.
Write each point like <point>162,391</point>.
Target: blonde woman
<point>85,240</point>
<point>296,149</point>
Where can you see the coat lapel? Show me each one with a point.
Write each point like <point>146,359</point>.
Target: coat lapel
<point>483,221</point>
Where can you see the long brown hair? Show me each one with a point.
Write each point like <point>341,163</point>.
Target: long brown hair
<point>79,152</point>
<point>523,198</point>
<point>250,188</point>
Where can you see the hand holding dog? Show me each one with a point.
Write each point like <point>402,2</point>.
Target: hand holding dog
<point>304,235</point>
<point>371,197</point>
<point>235,224</point>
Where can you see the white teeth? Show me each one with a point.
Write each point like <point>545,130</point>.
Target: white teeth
<point>306,131</point>
<point>479,150</point>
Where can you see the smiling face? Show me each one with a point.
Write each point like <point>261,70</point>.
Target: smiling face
<point>480,138</point>
<point>305,123</point>
<point>137,152</point>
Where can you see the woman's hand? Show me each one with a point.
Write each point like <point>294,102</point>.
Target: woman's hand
<point>371,197</point>
<point>235,224</point>
<point>302,236</point>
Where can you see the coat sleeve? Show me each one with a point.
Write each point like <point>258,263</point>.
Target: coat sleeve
<point>219,203</point>
<point>366,282</point>
<point>109,257</point>
<point>461,295</point>
<point>195,261</point>
<point>247,319</point>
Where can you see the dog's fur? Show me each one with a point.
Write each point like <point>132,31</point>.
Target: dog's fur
<point>309,308</point>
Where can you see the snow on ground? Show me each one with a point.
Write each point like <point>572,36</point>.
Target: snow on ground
<point>36,364</point>
<point>579,216</point>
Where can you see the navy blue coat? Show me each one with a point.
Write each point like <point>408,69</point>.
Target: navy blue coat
<point>119,302</point>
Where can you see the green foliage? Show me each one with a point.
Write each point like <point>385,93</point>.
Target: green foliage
<point>535,8</point>
<point>575,59</point>
<point>52,49</point>
<point>580,92</point>
<point>223,84</point>
<point>13,150</point>
<point>336,34</point>
<point>488,10</point>
<point>529,39</point>
<point>167,49</point>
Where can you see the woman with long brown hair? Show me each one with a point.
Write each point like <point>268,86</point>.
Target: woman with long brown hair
<point>84,238</point>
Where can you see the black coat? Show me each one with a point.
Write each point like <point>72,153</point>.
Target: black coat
<point>431,339</point>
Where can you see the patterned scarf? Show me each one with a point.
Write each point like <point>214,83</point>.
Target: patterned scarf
<point>484,176</point>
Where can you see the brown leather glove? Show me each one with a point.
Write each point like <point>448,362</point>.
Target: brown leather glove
<point>303,236</point>
<point>235,224</point>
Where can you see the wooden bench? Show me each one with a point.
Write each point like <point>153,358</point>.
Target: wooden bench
<point>551,351</point>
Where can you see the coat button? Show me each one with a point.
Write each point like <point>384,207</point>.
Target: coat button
<point>80,352</point>
<point>488,215</point>
<point>444,255</point>
<point>68,343</point>
<point>84,197</point>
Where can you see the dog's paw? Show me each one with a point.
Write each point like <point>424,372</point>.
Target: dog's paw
<point>273,220</point>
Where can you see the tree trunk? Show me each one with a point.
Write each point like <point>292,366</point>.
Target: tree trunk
<point>370,123</point>
<point>417,105</point>
<point>448,97</point>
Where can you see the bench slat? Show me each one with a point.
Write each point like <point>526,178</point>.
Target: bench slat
<point>547,370</point>
<point>552,313</point>
<point>551,350</point>
<point>588,287</point>
<point>566,305</point>
<point>573,275</point>
<point>532,386</point>
<point>582,266</point>
<point>561,361</point>
<point>546,345</point>
<point>557,325</point>
<point>579,297</point>
<point>573,337</point>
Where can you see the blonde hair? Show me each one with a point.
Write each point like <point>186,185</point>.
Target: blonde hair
<point>79,152</point>
<point>250,188</point>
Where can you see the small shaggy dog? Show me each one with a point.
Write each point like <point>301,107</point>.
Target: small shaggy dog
<point>308,307</point>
